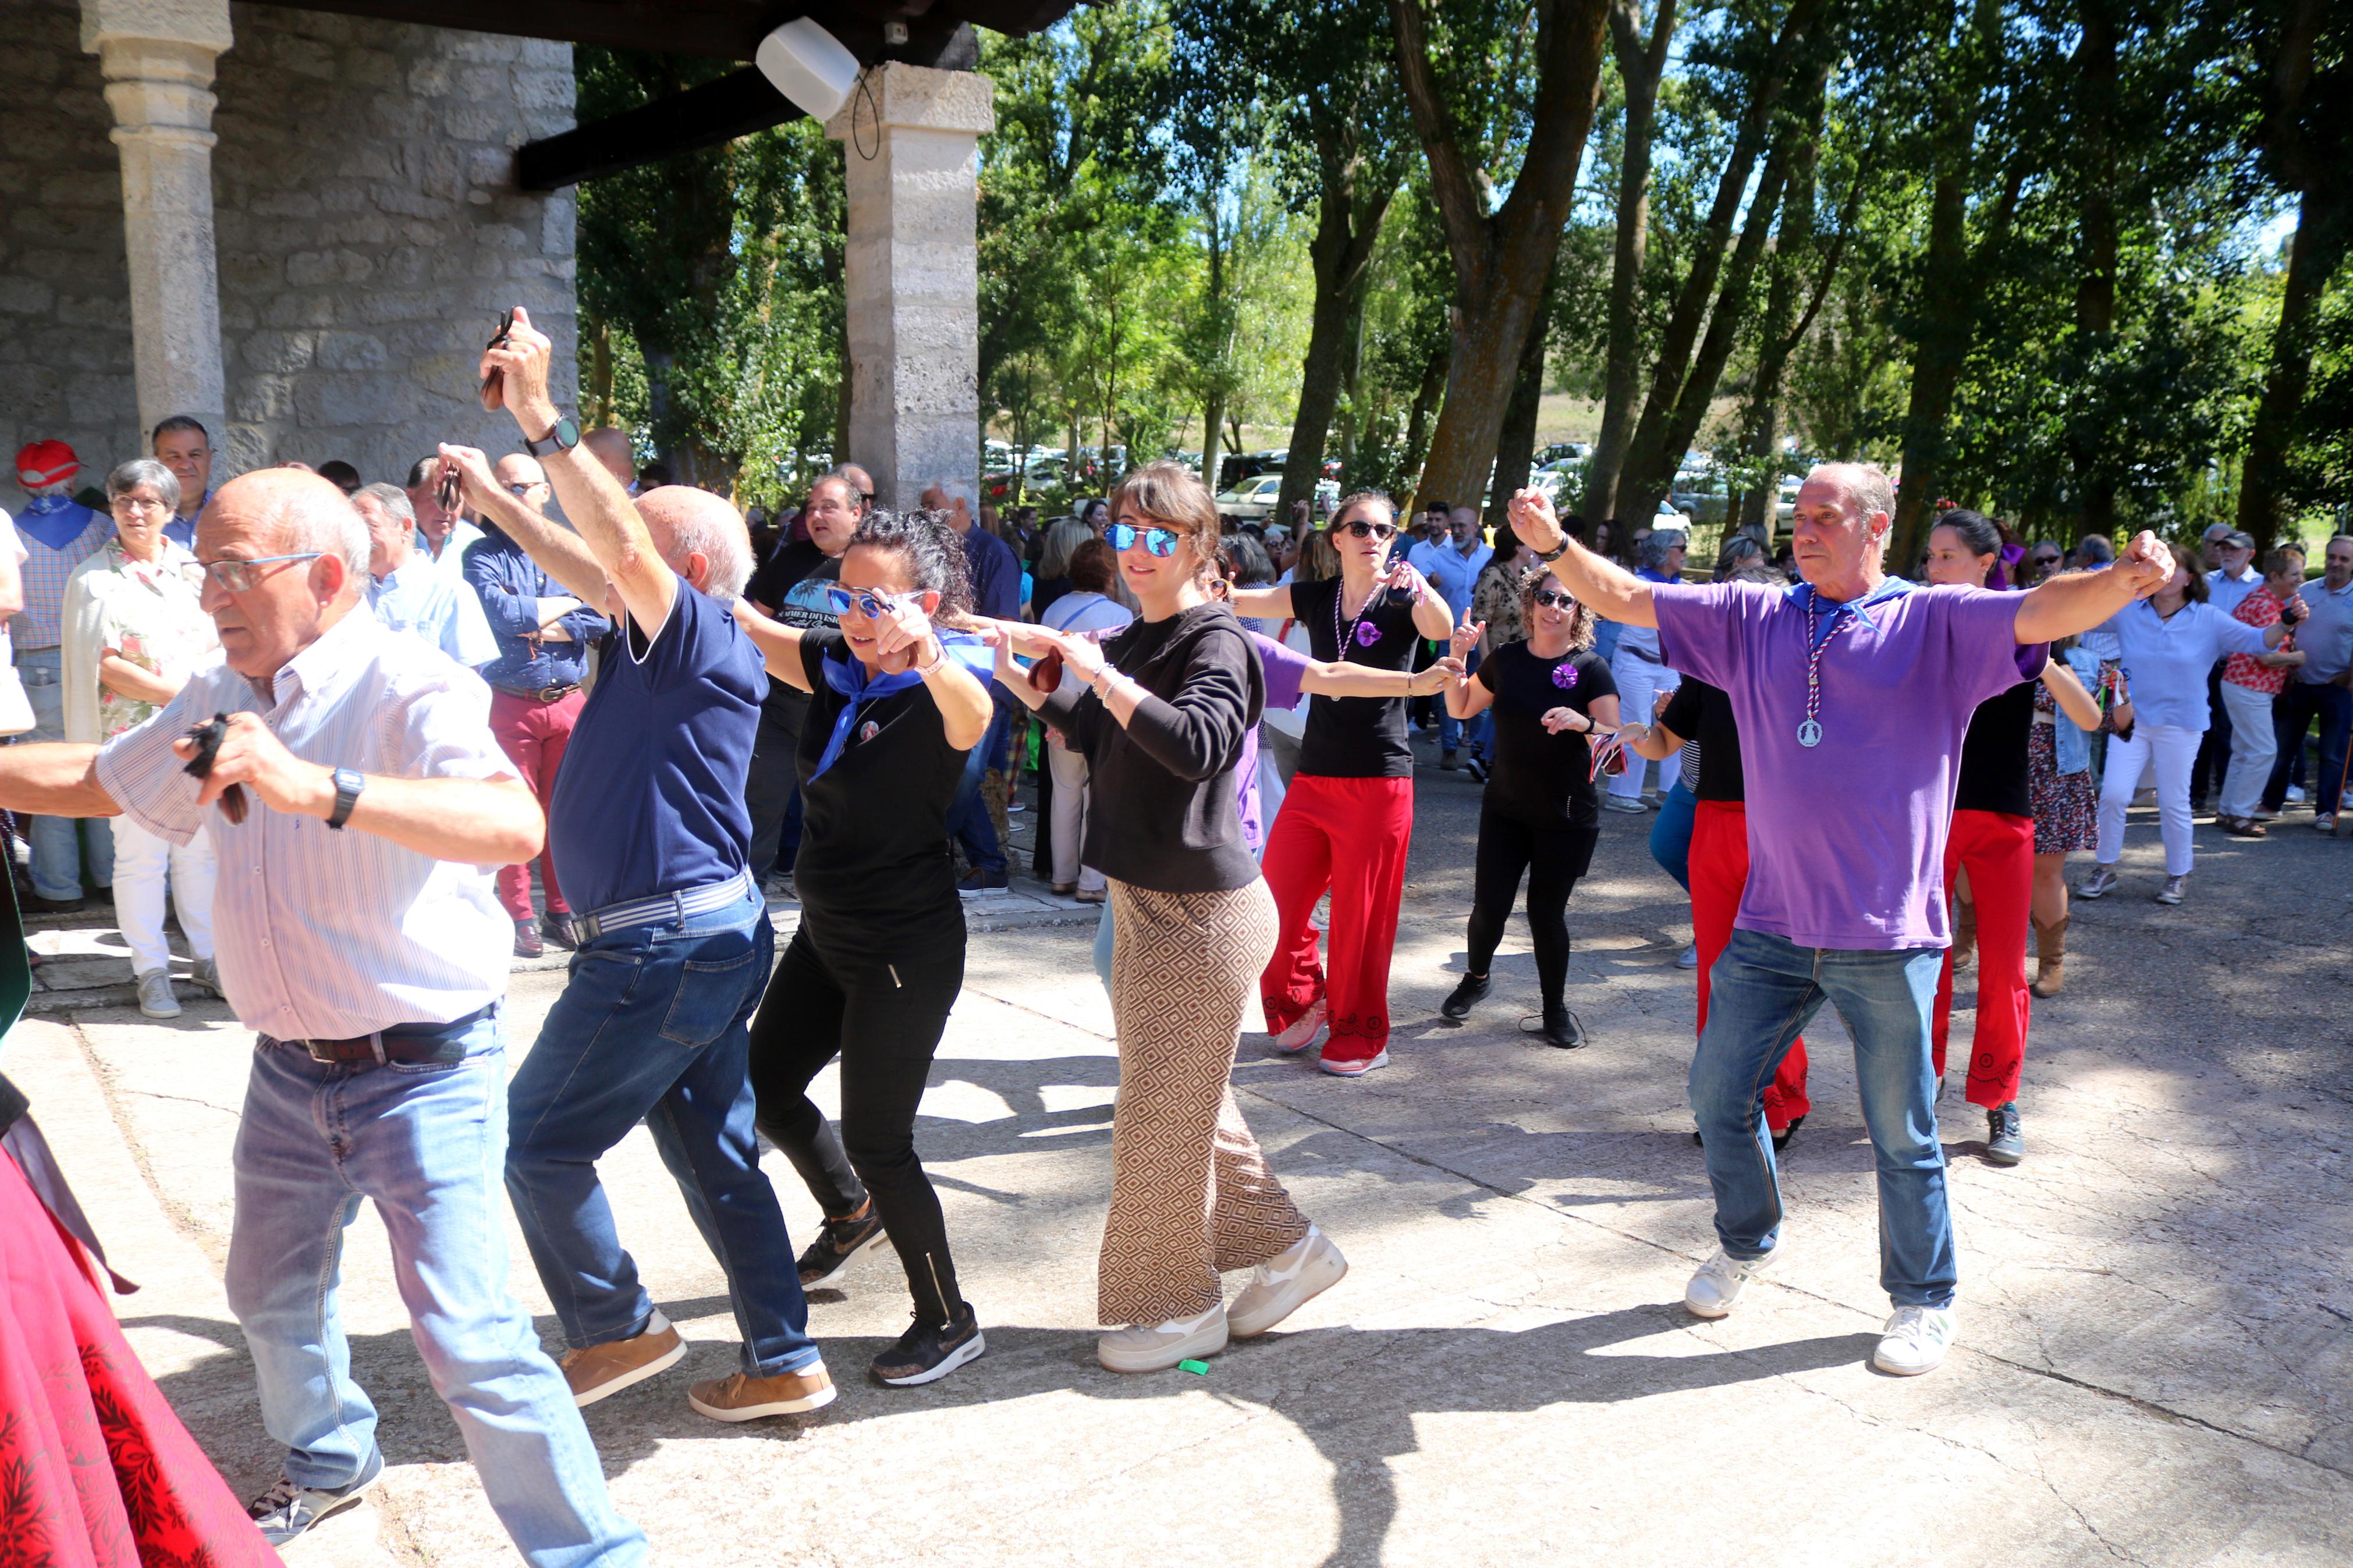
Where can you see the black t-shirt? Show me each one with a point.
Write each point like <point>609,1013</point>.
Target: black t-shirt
<point>1539,776</point>
<point>874,858</point>
<point>1993,756</point>
<point>1701,712</point>
<point>1355,737</point>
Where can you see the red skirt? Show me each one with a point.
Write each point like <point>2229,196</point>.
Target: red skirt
<point>95,1470</point>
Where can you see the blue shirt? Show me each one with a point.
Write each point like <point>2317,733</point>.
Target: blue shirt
<point>651,796</point>
<point>2167,659</point>
<point>1450,572</point>
<point>426,602</point>
<point>2226,593</point>
<point>996,575</point>
<point>181,531</point>
<point>510,585</point>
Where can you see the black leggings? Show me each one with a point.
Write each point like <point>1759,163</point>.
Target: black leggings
<point>1554,856</point>
<point>890,1005</point>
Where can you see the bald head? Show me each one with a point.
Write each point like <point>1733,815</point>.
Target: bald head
<point>861,480</point>
<point>611,447</point>
<point>686,524</point>
<point>520,469</point>
<point>286,605</point>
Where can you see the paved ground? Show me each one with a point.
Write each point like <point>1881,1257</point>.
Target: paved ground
<point>2156,1345</point>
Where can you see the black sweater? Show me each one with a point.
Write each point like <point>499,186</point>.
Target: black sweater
<point>1164,815</point>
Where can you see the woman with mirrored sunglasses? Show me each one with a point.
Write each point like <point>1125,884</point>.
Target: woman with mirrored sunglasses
<point>1539,816</point>
<point>1348,819</point>
<point>894,706</point>
<point>1162,716</point>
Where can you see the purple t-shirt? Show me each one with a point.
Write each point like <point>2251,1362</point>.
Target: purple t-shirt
<point>1284,666</point>
<point>1846,839</point>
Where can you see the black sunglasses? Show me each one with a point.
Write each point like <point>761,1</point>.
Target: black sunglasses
<point>1552,598</point>
<point>1364,529</point>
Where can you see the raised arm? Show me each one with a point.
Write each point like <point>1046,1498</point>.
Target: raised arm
<point>779,645</point>
<point>2069,693</point>
<point>2067,606</point>
<point>560,553</point>
<point>1603,586</point>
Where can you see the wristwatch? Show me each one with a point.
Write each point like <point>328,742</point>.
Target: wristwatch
<point>349,782</point>
<point>563,438</point>
<point>1557,551</point>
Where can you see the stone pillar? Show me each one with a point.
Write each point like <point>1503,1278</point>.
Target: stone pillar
<point>157,59</point>
<point>910,135</point>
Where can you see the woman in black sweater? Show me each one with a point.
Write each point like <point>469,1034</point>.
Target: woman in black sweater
<point>1162,719</point>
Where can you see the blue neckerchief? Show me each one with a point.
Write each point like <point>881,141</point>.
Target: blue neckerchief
<point>844,673</point>
<point>1802,594</point>
<point>56,521</point>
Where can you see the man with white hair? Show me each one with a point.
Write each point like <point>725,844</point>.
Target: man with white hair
<point>408,593</point>
<point>360,797</point>
<point>652,843</point>
<point>442,536</point>
<point>1852,690</point>
<point>977,818</point>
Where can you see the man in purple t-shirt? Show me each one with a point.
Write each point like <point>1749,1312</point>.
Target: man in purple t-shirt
<point>1852,690</point>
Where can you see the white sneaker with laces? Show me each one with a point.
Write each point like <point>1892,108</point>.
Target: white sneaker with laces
<point>2171,892</point>
<point>1621,802</point>
<point>1284,1283</point>
<point>1303,1031</point>
<point>1720,1281</point>
<point>1915,1340</point>
<point>155,998</point>
<point>2295,794</point>
<point>1156,1347</point>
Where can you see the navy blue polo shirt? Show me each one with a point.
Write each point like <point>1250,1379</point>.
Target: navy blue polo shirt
<point>651,796</point>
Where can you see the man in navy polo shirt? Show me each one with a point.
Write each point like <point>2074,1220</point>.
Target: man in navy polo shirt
<point>652,845</point>
<point>1852,690</point>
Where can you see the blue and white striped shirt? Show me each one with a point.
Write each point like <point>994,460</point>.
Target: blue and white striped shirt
<point>324,934</point>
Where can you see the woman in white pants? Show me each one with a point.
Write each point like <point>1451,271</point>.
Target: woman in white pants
<point>2170,641</point>
<point>133,632</point>
<point>1087,607</point>
<point>1644,681</point>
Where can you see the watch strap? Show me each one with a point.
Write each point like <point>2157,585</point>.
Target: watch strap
<point>1555,553</point>
<point>563,438</point>
<point>349,782</point>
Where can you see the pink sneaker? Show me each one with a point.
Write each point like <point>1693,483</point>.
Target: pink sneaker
<point>1351,1067</point>
<point>1302,1033</point>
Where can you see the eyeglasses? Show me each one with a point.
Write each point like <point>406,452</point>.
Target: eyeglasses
<point>238,576</point>
<point>1158,541</point>
<point>2046,560</point>
<point>522,487</point>
<point>1364,529</point>
<point>873,604</point>
<point>135,503</point>
<point>1553,599</point>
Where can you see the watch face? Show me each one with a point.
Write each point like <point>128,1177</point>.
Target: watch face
<point>567,435</point>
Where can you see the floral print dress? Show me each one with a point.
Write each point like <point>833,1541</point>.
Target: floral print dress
<point>153,618</point>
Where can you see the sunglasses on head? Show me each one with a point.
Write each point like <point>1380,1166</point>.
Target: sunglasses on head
<point>873,604</point>
<point>1364,528</point>
<point>1159,542</point>
<point>1553,599</point>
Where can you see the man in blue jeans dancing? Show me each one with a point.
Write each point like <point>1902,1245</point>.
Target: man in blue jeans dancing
<point>652,843</point>
<point>1852,690</point>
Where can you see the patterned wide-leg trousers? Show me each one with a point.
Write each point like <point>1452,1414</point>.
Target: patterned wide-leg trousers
<point>1191,1196</point>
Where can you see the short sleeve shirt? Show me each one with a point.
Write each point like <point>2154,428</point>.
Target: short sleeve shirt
<point>651,796</point>
<point>1355,737</point>
<point>1539,776</point>
<point>1847,836</point>
<point>2259,609</point>
<point>1702,714</point>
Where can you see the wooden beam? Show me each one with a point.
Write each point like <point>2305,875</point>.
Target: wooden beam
<point>735,105</point>
<point>716,29</point>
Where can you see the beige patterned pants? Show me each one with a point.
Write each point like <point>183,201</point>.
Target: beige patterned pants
<point>1190,1195</point>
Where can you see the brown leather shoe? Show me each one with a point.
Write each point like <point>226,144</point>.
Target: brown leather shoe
<point>606,1369</point>
<point>741,1397</point>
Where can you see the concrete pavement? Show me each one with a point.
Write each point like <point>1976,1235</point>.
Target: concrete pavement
<point>2156,1356</point>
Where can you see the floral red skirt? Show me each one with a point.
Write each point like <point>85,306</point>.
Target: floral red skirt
<point>95,1470</point>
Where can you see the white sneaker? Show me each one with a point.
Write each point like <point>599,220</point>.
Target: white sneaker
<point>1621,802</point>
<point>1720,1281</point>
<point>205,973</point>
<point>1688,958</point>
<point>2103,879</point>
<point>1156,1347</point>
<point>155,998</point>
<point>2325,824</point>
<point>1284,1283</point>
<point>1915,1340</point>
<point>1303,1032</point>
<point>2295,794</point>
<point>2171,892</point>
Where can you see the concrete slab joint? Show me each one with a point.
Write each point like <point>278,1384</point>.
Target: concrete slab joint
<point>910,138</point>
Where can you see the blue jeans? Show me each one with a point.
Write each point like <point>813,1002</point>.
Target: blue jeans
<point>969,820</point>
<point>1671,832</point>
<point>651,1027</point>
<point>1480,729</point>
<point>425,1143</point>
<point>63,847</point>
<point>1762,992</point>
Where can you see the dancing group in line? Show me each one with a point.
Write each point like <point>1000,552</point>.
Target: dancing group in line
<point>1838,726</point>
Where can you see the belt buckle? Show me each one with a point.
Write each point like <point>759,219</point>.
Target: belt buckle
<point>310,1048</point>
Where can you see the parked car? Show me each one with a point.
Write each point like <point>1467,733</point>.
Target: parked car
<point>1699,493</point>
<point>1255,500</point>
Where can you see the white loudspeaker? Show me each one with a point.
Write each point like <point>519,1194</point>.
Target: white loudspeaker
<point>808,65</point>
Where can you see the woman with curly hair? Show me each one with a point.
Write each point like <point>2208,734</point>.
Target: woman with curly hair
<point>879,958</point>
<point>1539,816</point>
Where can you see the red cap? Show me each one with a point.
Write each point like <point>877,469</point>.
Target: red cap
<point>46,463</point>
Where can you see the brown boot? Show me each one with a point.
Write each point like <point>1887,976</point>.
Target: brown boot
<point>2050,957</point>
<point>1965,931</point>
<point>606,1369</point>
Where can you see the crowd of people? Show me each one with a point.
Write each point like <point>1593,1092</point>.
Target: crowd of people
<point>543,671</point>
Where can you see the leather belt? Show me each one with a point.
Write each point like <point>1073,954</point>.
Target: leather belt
<point>662,909</point>
<point>544,694</point>
<point>407,1044</point>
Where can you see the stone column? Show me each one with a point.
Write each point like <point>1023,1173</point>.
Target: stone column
<point>157,58</point>
<point>910,135</point>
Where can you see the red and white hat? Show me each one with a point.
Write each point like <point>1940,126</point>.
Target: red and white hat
<point>46,463</point>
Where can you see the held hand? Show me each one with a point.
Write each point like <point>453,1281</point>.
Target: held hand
<point>1009,675</point>
<point>1404,578</point>
<point>2295,610</point>
<point>1630,732</point>
<point>1557,719</point>
<point>1466,637</point>
<point>1429,682</point>
<point>902,637</point>
<point>1532,519</point>
<point>473,467</point>
<point>521,366</point>
<point>2146,564</point>
<point>250,755</point>
<point>1082,656</point>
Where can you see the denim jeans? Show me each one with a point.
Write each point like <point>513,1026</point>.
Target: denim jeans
<point>63,848</point>
<point>969,820</point>
<point>1480,731</point>
<point>1762,992</point>
<point>425,1143</point>
<point>1671,832</point>
<point>651,1027</point>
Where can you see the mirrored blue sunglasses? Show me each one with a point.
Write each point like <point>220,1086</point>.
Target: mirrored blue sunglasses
<point>1160,542</point>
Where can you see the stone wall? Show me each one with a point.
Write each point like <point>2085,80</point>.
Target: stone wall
<point>369,232</point>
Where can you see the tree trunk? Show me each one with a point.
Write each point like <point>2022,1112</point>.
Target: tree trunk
<point>1347,222</point>
<point>1352,419</point>
<point>1762,428</point>
<point>2095,290</point>
<point>1503,260</point>
<point>1213,430</point>
<point>1416,424</point>
<point>1516,445</point>
<point>1639,66</point>
<point>2312,256</point>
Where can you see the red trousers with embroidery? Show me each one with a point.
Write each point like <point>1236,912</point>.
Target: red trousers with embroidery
<point>1349,836</point>
<point>1719,873</point>
<point>1999,851</point>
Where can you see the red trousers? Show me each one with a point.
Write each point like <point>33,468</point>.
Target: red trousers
<point>533,735</point>
<point>1349,835</point>
<point>1999,851</point>
<point>1719,872</point>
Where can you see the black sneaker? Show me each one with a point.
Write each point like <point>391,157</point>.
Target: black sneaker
<point>286,1510</point>
<point>1781,1139</point>
<point>979,883</point>
<point>1476,768</point>
<point>837,1241</point>
<point>2005,1142</point>
<point>556,932</point>
<point>1465,997</point>
<point>527,943</point>
<point>927,1352</point>
<point>1561,1030</point>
